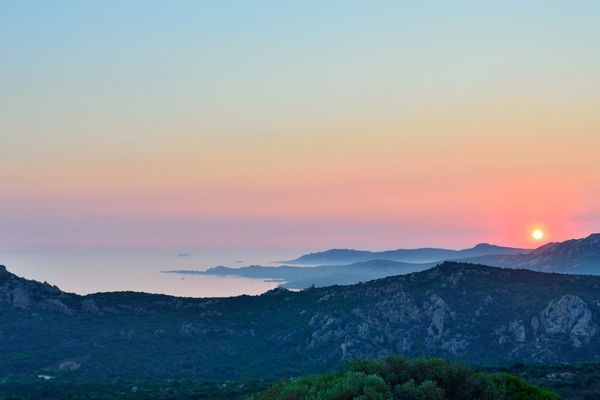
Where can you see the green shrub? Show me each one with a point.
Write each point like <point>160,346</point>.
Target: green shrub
<point>399,379</point>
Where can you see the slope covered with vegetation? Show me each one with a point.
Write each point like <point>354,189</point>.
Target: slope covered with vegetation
<point>388,379</point>
<point>482,315</point>
<point>573,382</point>
<point>397,378</point>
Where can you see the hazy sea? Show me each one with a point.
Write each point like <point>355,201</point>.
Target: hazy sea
<point>87,272</point>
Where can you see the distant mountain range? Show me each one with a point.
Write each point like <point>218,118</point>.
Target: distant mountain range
<point>484,315</point>
<point>422,255</point>
<point>575,256</point>
<point>580,256</point>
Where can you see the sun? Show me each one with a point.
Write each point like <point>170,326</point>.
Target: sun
<point>537,234</point>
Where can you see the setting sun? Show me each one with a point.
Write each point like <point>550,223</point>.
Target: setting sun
<point>537,234</point>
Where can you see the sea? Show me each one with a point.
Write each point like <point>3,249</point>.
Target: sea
<point>86,272</point>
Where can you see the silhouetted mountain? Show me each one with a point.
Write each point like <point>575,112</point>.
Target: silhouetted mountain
<point>575,256</point>
<point>471,312</point>
<point>423,255</point>
<point>325,275</point>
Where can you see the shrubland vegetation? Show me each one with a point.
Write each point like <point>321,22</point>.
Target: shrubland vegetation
<point>573,382</point>
<point>466,312</point>
<point>36,388</point>
<point>401,379</point>
<point>394,377</point>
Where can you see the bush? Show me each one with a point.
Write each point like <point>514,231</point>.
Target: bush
<point>400,379</point>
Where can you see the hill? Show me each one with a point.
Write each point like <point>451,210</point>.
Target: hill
<point>575,256</point>
<point>422,255</point>
<point>476,313</point>
<point>572,256</point>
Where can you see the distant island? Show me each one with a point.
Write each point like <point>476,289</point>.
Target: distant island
<point>295,277</point>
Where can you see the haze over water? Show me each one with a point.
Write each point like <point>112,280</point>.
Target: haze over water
<point>87,272</point>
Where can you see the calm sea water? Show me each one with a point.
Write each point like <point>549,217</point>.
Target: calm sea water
<point>90,272</point>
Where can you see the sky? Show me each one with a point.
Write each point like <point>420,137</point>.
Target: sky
<point>297,125</point>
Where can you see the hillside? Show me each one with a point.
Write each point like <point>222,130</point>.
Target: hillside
<point>390,378</point>
<point>481,314</point>
<point>422,255</point>
<point>575,256</point>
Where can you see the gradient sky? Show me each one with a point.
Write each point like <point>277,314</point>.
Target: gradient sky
<point>297,125</point>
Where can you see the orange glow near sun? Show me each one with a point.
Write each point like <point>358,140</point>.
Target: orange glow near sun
<point>537,234</point>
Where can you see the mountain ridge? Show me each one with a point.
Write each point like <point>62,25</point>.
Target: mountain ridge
<point>417,255</point>
<point>480,314</point>
<point>580,255</point>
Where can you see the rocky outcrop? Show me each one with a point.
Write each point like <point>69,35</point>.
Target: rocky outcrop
<point>517,330</point>
<point>569,316</point>
<point>440,314</point>
<point>18,297</point>
<point>512,334</point>
<point>31,295</point>
<point>69,365</point>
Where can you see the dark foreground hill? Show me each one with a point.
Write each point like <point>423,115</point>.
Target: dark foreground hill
<point>480,314</point>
